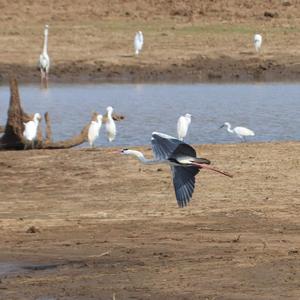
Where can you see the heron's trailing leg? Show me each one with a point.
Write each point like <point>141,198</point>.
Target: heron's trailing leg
<point>205,166</point>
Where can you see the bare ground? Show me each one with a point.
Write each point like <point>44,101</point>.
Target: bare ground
<point>97,225</point>
<point>92,41</point>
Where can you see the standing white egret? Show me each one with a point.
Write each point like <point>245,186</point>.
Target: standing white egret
<point>30,131</point>
<point>183,161</point>
<point>241,132</point>
<point>138,42</point>
<point>44,62</point>
<point>257,41</point>
<point>183,124</point>
<point>110,125</point>
<point>94,130</point>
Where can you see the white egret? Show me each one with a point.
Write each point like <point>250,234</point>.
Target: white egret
<point>183,161</point>
<point>44,62</point>
<point>110,125</point>
<point>183,124</point>
<point>241,132</point>
<point>138,42</point>
<point>94,130</point>
<point>30,131</point>
<point>257,41</point>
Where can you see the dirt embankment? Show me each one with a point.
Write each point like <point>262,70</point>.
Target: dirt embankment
<point>81,224</point>
<point>184,40</point>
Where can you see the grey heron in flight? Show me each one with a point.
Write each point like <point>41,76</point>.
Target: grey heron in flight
<point>185,165</point>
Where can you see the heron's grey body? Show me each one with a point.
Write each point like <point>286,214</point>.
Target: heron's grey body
<point>180,156</point>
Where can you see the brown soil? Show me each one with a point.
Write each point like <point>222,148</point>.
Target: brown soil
<point>98,225</point>
<point>184,40</point>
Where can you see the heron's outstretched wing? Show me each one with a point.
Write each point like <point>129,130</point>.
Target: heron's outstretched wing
<point>164,146</point>
<point>184,183</point>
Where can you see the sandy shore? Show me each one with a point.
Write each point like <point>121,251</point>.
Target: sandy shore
<point>81,224</point>
<point>91,224</point>
<point>184,40</point>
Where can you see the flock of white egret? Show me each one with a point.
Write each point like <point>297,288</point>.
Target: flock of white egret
<point>183,123</point>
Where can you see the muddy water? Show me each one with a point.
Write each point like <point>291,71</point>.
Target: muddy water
<point>271,110</point>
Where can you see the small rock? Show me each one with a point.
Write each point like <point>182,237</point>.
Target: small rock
<point>32,229</point>
<point>269,14</point>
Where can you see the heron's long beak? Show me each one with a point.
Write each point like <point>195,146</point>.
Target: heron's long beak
<point>221,126</point>
<point>205,166</point>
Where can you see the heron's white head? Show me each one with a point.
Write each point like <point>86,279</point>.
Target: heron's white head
<point>140,33</point>
<point>125,151</point>
<point>99,118</point>
<point>136,153</point>
<point>109,109</point>
<point>188,116</point>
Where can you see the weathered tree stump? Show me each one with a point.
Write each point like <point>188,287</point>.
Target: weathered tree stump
<point>13,133</point>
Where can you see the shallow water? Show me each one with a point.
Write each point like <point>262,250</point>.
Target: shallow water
<point>271,110</point>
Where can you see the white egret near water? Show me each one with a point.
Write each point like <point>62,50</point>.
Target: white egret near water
<point>138,42</point>
<point>184,163</point>
<point>241,132</point>
<point>257,41</point>
<point>44,62</point>
<point>183,124</point>
<point>30,131</point>
<point>110,125</point>
<point>94,130</point>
